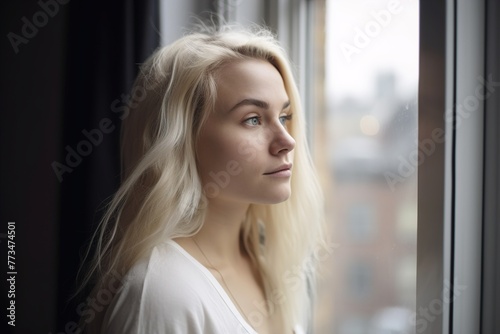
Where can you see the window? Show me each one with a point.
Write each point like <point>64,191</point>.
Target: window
<point>365,147</point>
<point>361,221</point>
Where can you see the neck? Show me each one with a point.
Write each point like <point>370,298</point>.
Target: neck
<point>220,235</point>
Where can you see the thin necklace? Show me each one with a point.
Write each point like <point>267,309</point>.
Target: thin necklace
<point>223,280</point>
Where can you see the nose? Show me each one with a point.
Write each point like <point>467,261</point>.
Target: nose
<point>282,142</point>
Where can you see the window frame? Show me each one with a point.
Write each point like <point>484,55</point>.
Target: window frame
<point>458,185</point>
<point>491,231</point>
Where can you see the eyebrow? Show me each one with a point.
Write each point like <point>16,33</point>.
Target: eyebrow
<point>255,102</point>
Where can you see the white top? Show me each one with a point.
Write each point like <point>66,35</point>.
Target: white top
<point>170,292</point>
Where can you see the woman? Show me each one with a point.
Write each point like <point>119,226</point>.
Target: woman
<point>215,225</point>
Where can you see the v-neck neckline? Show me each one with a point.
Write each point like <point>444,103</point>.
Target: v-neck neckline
<point>216,284</point>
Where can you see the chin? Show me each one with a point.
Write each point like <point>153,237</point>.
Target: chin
<point>277,197</point>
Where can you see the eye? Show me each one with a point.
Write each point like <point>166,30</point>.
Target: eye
<point>285,118</point>
<point>252,121</point>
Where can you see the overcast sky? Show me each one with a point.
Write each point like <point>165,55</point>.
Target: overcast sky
<point>352,63</point>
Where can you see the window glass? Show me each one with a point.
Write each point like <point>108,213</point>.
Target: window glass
<point>365,147</point>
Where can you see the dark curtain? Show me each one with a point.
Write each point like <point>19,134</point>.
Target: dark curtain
<point>106,42</point>
<point>66,68</point>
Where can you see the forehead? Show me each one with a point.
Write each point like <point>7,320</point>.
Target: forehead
<point>249,79</point>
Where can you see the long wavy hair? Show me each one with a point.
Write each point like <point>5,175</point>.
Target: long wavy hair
<point>161,195</point>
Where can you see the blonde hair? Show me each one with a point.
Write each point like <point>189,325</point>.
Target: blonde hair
<point>161,196</point>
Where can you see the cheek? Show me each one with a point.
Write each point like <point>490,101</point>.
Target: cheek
<point>229,163</point>
<point>253,147</point>
<point>247,151</point>
<point>217,153</point>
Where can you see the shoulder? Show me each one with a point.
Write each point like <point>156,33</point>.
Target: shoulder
<point>165,273</point>
<point>162,290</point>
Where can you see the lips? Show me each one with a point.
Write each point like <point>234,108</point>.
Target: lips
<point>282,168</point>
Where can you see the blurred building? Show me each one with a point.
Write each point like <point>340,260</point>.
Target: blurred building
<point>371,277</point>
